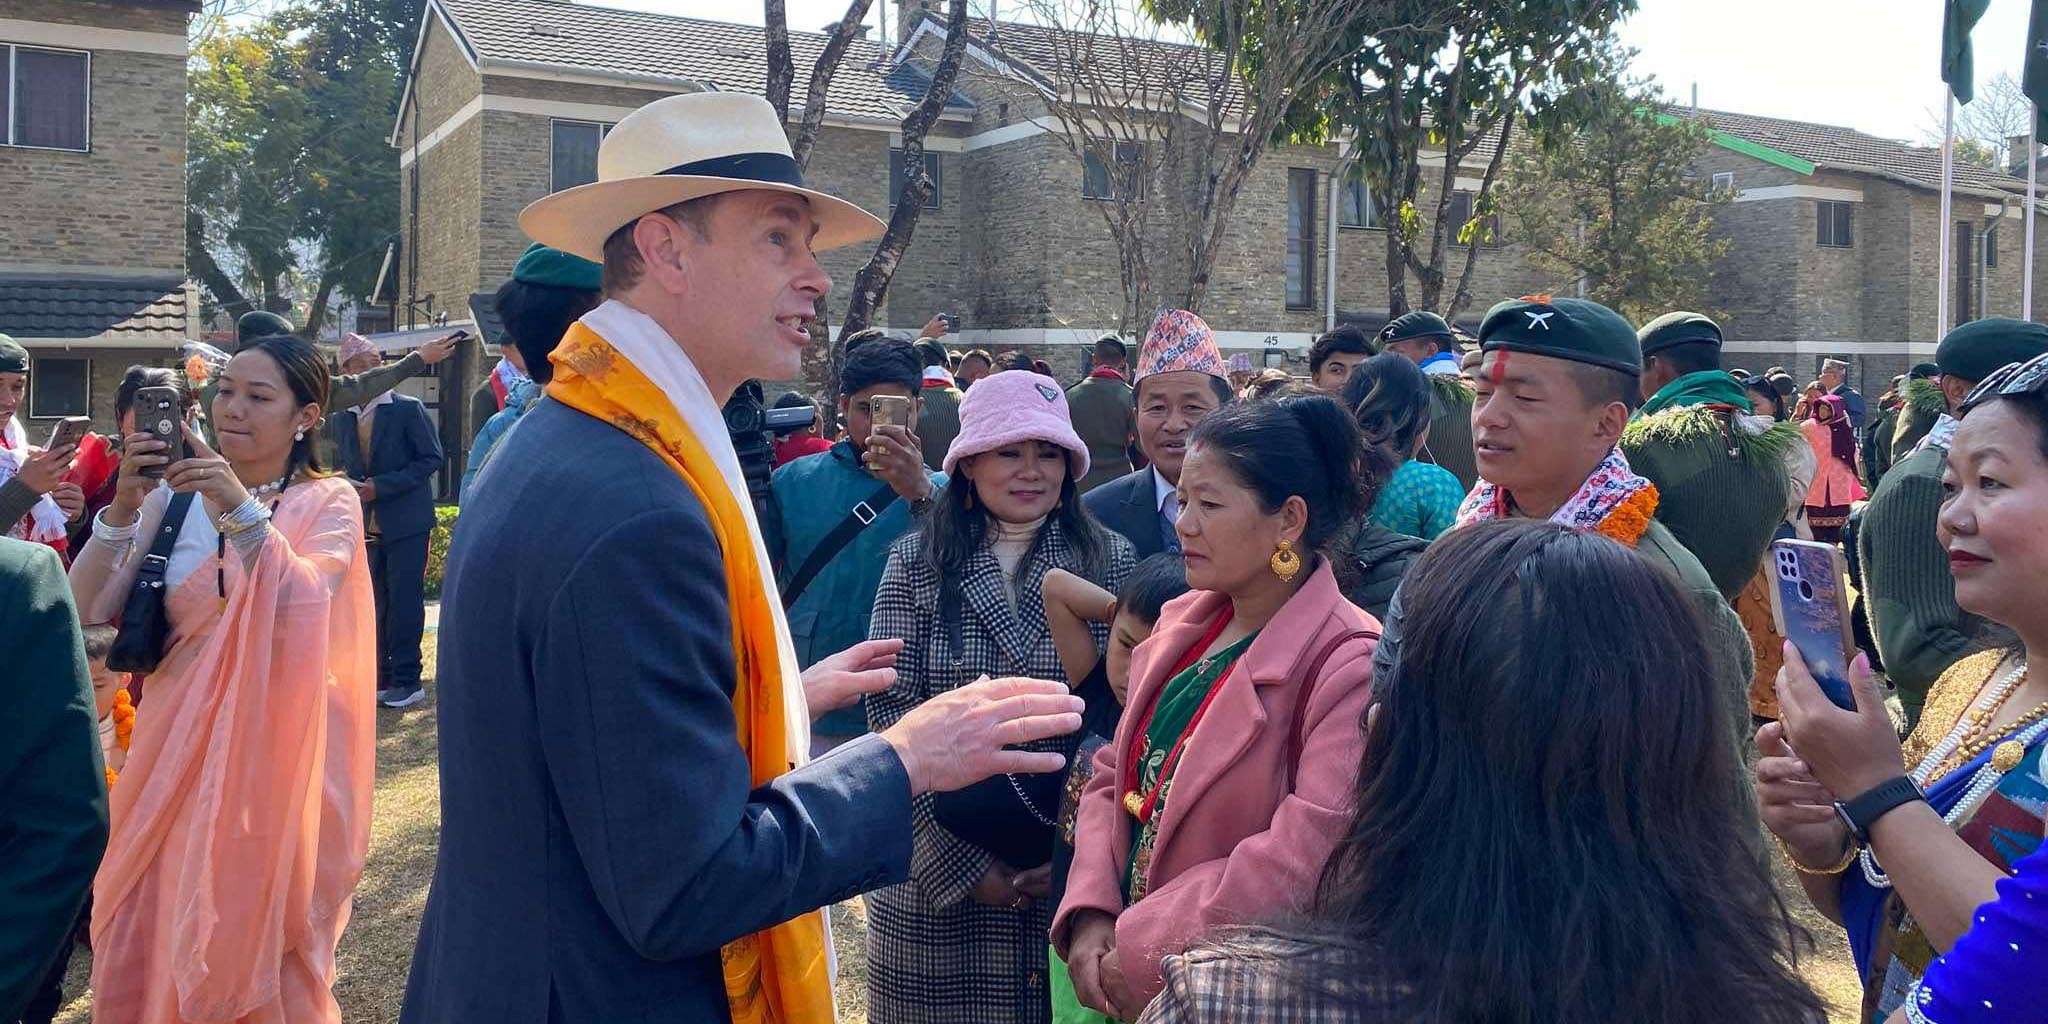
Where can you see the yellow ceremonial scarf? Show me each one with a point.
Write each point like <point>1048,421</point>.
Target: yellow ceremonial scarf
<point>778,975</point>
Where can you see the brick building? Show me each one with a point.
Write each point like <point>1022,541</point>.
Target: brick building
<point>1833,230</point>
<point>92,162</point>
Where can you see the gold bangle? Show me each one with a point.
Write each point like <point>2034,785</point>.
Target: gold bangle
<point>1801,867</point>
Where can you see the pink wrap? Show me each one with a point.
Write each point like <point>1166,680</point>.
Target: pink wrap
<point>242,817</point>
<point>1237,844</point>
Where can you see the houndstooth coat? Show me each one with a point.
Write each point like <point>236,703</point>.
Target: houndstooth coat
<point>935,956</point>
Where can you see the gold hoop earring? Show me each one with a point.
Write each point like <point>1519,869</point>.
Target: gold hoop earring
<point>1286,564</point>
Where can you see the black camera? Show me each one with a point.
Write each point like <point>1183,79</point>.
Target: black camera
<point>752,428</point>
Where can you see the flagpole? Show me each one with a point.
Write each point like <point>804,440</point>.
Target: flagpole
<point>1948,173</point>
<point>2027,280</point>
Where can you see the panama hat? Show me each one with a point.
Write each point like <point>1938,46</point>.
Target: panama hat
<point>680,148</point>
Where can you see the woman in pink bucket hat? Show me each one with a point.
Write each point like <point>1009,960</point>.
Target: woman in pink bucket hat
<point>963,594</point>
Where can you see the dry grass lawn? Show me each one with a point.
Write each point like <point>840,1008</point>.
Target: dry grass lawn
<point>378,946</point>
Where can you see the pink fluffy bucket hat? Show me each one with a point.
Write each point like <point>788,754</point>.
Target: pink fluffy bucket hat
<point>1016,405</point>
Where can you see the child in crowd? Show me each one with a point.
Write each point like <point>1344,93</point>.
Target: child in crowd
<point>49,996</point>
<point>1071,604</point>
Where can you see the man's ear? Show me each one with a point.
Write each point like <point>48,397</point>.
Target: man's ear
<point>663,258</point>
<point>1613,420</point>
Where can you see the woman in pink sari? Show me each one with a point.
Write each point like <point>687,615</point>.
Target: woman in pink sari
<point>242,815</point>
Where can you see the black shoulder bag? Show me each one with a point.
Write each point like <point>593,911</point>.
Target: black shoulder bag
<point>145,626</point>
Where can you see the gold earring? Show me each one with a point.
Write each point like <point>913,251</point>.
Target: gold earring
<point>970,499</point>
<point>1286,564</point>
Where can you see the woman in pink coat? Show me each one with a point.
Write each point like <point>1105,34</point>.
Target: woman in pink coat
<point>1230,777</point>
<point>1835,485</point>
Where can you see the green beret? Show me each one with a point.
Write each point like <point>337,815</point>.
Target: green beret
<point>1574,329</point>
<point>1923,371</point>
<point>260,323</point>
<point>555,268</point>
<point>1971,352</point>
<point>1418,324</point>
<point>1676,328</point>
<point>13,358</point>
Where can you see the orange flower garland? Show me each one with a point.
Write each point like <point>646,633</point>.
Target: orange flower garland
<point>124,727</point>
<point>1631,519</point>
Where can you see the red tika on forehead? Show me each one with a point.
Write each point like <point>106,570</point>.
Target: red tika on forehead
<point>1500,366</point>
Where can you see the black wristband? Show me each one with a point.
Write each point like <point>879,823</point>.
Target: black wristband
<point>1862,811</point>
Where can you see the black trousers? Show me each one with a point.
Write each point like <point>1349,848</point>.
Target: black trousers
<point>398,578</point>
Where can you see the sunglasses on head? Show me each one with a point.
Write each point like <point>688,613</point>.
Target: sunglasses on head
<point>2008,380</point>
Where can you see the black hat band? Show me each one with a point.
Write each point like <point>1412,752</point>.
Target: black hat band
<point>771,168</point>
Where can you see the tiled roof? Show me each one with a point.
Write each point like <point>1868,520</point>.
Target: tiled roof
<point>715,54</point>
<point>149,311</point>
<point>1847,149</point>
<point>1051,51</point>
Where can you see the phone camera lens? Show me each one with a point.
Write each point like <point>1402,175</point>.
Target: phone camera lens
<point>1805,591</point>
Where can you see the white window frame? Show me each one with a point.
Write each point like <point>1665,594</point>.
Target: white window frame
<point>1724,179</point>
<point>14,98</point>
<point>36,374</point>
<point>604,128</point>
<point>1822,208</point>
<point>1367,210</point>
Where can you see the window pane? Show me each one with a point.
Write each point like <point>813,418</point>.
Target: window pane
<point>897,179</point>
<point>1301,236</point>
<point>1352,213</point>
<point>1130,159</point>
<point>931,170</point>
<point>575,156</point>
<point>1461,212</point>
<point>1991,247</point>
<point>57,387</point>
<point>1845,234</point>
<point>1094,177</point>
<point>49,98</point>
<point>6,92</point>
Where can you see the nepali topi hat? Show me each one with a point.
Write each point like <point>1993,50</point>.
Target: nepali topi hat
<point>680,148</point>
<point>1575,329</point>
<point>1180,340</point>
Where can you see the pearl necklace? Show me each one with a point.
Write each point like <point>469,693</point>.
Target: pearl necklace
<point>274,487</point>
<point>1988,776</point>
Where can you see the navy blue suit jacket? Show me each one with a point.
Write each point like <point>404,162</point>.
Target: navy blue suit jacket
<point>404,453</point>
<point>600,839</point>
<point>1129,505</point>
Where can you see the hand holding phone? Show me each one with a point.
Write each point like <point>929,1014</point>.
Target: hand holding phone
<point>887,411</point>
<point>69,431</point>
<point>157,413</point>
<point>1810,601</point>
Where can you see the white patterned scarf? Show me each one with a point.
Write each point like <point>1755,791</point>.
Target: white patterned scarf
<point>45,522</point>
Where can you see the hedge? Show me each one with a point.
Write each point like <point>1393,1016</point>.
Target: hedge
<point>437,548</point>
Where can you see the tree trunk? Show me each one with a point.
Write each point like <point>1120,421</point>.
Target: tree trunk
<point>781,67</point>
<point>207,269</point>
<point>316,313</point>
<point>821,78</point>
<point>871,285</point>
<point>1464,292</point>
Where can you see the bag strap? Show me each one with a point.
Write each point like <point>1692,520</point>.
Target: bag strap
<point>862,515</point>
<point>158,561</point>
<point>1295,740</point>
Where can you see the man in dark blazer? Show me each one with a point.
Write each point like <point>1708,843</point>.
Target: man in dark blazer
<point>1181,379</point>
<point>53,791</point>
<point>390,451</point>
<point>601,836</point>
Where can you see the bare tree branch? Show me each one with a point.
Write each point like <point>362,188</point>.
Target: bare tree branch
<point>821,78</point>
<point>781,66</point>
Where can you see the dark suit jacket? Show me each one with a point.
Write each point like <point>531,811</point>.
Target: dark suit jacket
<point>404,453</point>
<point>53,792</point>
<point>1129,505</point>
<point>599,837</point>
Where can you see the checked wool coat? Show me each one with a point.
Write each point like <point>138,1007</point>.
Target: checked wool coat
<point>935,956</point>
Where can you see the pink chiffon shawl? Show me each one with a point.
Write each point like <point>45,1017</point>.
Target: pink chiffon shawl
<point>242,817</point>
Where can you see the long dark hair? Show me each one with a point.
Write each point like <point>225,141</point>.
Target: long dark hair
<point>1549,821</point>
<point>957,528</point>
<point>305,372</point>
<point>1297,445</point>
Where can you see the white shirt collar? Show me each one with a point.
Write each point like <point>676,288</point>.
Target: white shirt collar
<point>1165,496</point>
<point>384,399</point>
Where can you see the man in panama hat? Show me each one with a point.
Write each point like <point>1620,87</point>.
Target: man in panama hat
<point>629,826</point>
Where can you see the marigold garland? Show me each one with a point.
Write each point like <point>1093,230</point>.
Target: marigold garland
<point>124,727</point>
<point>1628,521</point>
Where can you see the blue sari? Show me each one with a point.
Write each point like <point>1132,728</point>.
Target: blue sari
<point>2005,827</point>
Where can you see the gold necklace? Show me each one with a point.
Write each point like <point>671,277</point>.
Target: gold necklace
<point>1978,733</point>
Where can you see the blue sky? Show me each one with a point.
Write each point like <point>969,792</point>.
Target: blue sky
<point>1868,64</point>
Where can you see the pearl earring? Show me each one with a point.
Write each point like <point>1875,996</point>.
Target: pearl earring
<point>299,434</point>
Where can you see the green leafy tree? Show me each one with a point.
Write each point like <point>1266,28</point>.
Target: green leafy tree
<point>1613,201</point>
<point>291,192</point>
<point>1445,81</point>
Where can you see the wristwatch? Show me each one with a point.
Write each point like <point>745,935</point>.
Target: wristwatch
<point>1861,812</point>
<point>920,506</point>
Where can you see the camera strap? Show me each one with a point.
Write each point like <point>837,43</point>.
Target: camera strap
<point>863,513</point>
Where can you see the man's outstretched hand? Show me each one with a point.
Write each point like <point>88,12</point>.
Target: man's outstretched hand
<point>844,678</point>
<point>962,736</point>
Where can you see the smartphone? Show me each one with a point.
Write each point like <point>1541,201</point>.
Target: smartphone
<point>952,322</point>
<point>888,411</point>
<point>1811,604</point>
<point>158,412</point>
<point>69,431</point>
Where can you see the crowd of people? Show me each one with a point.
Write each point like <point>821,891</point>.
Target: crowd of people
<point>1443,683</point>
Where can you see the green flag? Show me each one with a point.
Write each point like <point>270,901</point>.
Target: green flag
<point>1958,17</point>
<point>2034,79</point>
